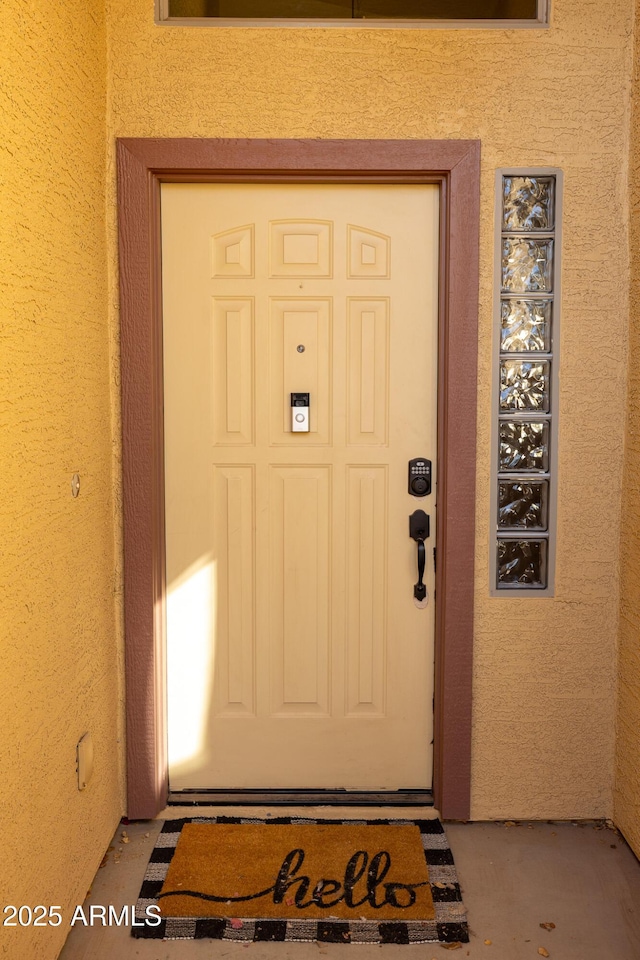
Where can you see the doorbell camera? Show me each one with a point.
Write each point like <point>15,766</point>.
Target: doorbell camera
<point>300,412</point>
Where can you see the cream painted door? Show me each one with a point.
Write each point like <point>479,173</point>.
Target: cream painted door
<point>297,656</point>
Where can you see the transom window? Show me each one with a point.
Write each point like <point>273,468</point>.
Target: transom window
<point>431,12</point>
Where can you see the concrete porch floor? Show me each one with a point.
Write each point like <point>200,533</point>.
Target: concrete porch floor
<point>581,877</point>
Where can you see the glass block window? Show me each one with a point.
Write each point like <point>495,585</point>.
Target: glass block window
<point>527,320</point>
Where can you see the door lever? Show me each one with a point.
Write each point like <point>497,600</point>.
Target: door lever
<point>419,531</point>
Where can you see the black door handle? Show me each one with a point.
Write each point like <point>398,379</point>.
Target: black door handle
<point>419,590</point>
<point>419,531</point>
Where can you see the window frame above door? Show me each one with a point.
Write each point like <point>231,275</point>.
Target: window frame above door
<point>541,22</point>
<point>143,164</point>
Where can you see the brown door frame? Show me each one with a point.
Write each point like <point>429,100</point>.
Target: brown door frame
<point>143,164</point>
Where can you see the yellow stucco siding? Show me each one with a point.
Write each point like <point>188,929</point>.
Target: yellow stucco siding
<point>544,680</point>
<point>59,675</point>
<point>627,782</point>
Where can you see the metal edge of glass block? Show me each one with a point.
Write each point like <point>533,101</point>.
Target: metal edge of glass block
<point>531,356</point>
<point>552,473</point>
<point>528,234</point>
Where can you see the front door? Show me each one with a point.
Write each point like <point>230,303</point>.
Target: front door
<point>297,654</point>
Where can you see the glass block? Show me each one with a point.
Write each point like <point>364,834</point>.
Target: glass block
<point>524,385</point>
<point>522,504</point>
<point>527,203</point>
<point>523,445</point>
<point>522,563</point>
<point>525,326</point>
<point>526,265</point>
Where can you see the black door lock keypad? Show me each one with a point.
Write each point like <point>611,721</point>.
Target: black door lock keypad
<point>419,477</point>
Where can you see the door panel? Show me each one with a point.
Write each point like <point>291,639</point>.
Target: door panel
<point>300,531</point>
<point>297,656</point>
<point>367,370</point>
<point>234,522</point>
<point>296,322</point>
<point>366,589</point>
<point>232,370</point>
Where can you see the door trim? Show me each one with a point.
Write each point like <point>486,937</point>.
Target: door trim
<point>143,164</point>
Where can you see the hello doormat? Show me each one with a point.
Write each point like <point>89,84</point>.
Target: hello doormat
<point>286,878</point>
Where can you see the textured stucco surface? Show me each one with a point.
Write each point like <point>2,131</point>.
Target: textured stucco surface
<point>544,680</point>
<point>59,675</point>
<point>627,781</point>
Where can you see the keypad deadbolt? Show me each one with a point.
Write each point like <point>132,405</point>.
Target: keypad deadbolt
<point>420,477</point>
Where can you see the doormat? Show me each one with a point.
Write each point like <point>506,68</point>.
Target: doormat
<point>288,878</point>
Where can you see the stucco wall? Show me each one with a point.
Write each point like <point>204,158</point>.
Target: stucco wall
<point>627,783</point>
<point>544,668</point>
<point>59,674</point>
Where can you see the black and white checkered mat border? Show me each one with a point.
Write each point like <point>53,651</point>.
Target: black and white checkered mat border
<point>448,925</point>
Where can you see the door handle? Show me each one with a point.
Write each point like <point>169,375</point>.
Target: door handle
<point>419,531</point>
<point>419,590</point>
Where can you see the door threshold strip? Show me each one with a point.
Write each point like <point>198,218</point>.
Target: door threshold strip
<point>335,798</point>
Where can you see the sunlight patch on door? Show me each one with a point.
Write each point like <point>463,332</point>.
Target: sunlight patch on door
<point>191,616</point>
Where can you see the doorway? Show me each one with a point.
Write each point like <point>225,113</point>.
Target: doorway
<point>453,166</point>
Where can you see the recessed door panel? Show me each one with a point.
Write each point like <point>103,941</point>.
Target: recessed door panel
<point>368,370</point>
<point>301,248</point>
<point>232,252</point>
<point>234,523</point>
<point>366,636</point>
<point>299,641</point>
<point>232,370</point>
<point>300,344</point>
<point>369,254</point>
<point>291,572</point>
